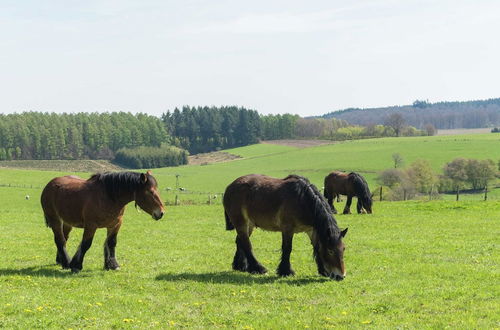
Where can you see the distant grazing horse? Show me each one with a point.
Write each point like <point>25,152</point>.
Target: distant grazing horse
<point>98,202</point>
<point>290,205</point>
<point>352,184</point>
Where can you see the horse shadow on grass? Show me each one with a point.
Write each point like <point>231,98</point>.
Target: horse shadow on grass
<point>40,271</point>
<point>228,277</point>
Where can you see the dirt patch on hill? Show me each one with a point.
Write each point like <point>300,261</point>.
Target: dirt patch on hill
<point>299,143</point>
<point>211,157</point>
<point>460,131</point>
<point>88,165</point>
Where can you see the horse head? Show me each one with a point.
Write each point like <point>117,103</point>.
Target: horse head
<point>148,197</point>
<point>329,256</point>
<point>367,204</point>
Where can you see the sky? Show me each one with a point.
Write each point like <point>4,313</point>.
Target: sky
<point>300,57</point>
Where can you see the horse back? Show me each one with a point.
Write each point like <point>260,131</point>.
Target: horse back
<point>66,198</point>
<point>338,183</point>
<point>263,202</point>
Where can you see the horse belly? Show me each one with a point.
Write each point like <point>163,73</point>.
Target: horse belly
<point>267,221</point>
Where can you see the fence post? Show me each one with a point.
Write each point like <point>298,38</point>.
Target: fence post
<point>380,193</point>
<point>209,200</point>
<point>176,199</point>
<point>485,193</point>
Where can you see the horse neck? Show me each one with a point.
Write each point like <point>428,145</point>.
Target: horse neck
<point>124,198</point>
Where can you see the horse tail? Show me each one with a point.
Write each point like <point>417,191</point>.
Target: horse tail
<point>229,225</point>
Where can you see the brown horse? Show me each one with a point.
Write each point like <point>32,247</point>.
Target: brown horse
<point>352,184</point>
<point>98,202</point>
<point>290,205</point>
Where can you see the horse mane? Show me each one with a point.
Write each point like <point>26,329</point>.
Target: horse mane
<point>360,186</point>
<point>116,183</point>
<point>310,198</point>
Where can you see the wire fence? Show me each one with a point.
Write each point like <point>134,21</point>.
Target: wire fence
<point>182,196</point>
<point>170,196</point>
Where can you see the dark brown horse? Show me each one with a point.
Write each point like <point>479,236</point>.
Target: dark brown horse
<point>352,184</point>
<point>98,202</point>
<point>290,205</point>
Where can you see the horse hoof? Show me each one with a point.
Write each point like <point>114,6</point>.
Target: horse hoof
<point>258,270</point>
<point>240,268</point>
<point>111,265</point>
<point>75,270</point>
<point>286,274</point>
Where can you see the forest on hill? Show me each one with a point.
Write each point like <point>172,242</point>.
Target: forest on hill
<point>36,135</point>
<point>204,129</point>
<point>442,115</point>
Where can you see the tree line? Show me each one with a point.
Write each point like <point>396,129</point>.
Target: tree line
<point>36,135</point>
<point>442,115</point>
<point>419,177</point>
<point>204,129</point>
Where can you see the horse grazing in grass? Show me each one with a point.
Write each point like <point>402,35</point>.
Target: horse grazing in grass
<point>290,205</point>
<point>352,184</point>
<point>98,202</point>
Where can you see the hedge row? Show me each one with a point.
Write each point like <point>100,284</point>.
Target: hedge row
<point>151,157</point>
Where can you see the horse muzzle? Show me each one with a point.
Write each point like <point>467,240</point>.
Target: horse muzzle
<point>337,277</point>
<point>157,215</point>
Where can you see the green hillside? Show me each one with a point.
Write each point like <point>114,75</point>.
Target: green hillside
<point>365,156</point>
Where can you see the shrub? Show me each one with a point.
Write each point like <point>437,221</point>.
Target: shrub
<point>151,157</point>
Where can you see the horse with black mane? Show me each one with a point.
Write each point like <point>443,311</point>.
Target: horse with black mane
<point>290,205</point>
<point>98,202</point>
<point>352,184</point>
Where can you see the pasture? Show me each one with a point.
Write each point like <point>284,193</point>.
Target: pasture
<point>409,265</point>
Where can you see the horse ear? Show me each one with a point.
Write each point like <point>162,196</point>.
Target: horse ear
<point>144,178</point>
<point>343,232</point>
<point>149,172</point>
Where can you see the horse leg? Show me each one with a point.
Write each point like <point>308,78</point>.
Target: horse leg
<point>284,268</point>
<point>347,208</point>
<point>76,264</point>
<point>240,261</point>
<point>109,248</point>
<point>60,257</point>
<point>243,243</point>
<point>329,197</point>
<point>359,206</point>
<point>330,202</point>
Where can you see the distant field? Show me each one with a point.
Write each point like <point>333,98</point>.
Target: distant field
<point>365,156</point>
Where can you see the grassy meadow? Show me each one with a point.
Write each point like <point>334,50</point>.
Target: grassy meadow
<point>413,264</point>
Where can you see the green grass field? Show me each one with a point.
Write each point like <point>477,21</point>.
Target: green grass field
<point>413,264</point>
